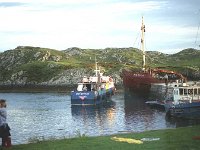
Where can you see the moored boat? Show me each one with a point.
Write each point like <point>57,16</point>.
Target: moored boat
<point>93,90</point>
<point>185,102</point>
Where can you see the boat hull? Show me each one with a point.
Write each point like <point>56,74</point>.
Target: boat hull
<point>90,97</point>
<point>186,110</point>
<point>139,82</point>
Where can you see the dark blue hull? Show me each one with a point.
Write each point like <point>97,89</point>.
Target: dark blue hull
<point>90,97</point>
<point>186,110</point>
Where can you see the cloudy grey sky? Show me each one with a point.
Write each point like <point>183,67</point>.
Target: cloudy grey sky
<point>171,25</point>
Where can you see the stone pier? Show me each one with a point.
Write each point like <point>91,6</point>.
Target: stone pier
<point>161,91</point>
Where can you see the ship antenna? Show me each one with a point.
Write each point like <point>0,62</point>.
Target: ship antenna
<point>142,43</point>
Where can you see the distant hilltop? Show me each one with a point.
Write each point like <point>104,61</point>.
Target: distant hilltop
<point>26,65</point>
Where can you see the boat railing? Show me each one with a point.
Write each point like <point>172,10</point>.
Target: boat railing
<point>189,98</point>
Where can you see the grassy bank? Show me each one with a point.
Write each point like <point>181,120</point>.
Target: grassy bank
<point>187,138</point>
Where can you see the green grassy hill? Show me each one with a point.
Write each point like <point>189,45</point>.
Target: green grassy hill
<point>35,64</point>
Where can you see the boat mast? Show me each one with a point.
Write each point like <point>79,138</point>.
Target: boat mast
<point>196,44</point>
<point>142,43</point>
<point>96,67</point>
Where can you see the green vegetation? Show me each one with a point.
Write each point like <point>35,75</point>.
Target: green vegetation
<point>39,71</point>
<point>187,138</point>
<point>41,64</point>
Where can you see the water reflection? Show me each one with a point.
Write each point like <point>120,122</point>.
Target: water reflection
<point>94,120</point>
<point>181,122</point>
<point>92,111</point>
<point>96,114</point>
<point>140,117</point>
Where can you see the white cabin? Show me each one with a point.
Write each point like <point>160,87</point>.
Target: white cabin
<point>187,93</point>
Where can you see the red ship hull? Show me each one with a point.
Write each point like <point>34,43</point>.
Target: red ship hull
<point>141,81</point>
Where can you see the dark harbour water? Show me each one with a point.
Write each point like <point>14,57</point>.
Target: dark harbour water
<point>33,116</point>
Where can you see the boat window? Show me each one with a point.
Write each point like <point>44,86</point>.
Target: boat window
<point>88,87</point>
<point>190,91</point>
<point>84,87</point>
<point>181,91</point>
<point>80,87</point>
<point>185,91</point>
<point>199,91</point>
<point>195,91</point>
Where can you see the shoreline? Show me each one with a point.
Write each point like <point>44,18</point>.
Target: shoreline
<point>35,89</point>
<point>41,88</point>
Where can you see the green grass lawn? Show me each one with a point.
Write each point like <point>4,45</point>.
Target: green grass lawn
<point>187,138</point>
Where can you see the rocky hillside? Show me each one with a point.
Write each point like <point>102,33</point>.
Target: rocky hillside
<point>27,65</point>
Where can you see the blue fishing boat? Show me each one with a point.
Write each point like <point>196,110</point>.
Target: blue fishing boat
<point>93,90</point>
<point>185,102</point>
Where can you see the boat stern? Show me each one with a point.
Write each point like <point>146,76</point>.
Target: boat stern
<point>83,98</point>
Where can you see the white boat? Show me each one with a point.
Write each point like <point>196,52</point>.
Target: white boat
<point>185,101</point>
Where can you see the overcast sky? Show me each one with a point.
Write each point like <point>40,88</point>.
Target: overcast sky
<point>171,25</point>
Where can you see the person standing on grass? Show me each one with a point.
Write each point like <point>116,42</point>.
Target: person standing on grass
<point>4,128</point>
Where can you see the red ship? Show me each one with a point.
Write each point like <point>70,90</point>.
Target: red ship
<point>141,81</point>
